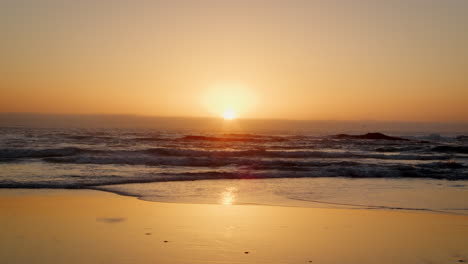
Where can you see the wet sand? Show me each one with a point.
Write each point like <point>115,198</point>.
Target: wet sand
<point>84,226</point>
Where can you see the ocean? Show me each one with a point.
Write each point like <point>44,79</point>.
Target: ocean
<point>415,172</point>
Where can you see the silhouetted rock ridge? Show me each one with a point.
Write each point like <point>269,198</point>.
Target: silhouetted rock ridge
<point>373,136</point>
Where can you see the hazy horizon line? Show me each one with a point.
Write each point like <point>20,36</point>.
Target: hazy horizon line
<point>220,118</point>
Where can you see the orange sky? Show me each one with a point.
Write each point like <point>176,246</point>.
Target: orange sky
<point>404,60</point>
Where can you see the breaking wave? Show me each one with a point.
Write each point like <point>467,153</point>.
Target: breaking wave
<point>115,157</point>
<point>180,152</point>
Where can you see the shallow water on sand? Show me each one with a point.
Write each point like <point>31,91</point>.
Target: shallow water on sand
<point>384,194</point>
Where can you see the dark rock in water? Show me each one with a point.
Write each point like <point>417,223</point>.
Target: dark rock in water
<point>373,136</point>
<point>451,149</point>
<point>462,138</point>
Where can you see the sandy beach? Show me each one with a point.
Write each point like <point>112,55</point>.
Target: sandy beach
<point>234,132</point>
<point>84,226</point>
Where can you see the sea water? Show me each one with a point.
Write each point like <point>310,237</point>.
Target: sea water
<point>419,173</point>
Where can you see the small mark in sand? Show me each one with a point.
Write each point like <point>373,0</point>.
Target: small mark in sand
<point>148,234</point>
<point>310,261</point>
<point>110,220</point>
<point>246,252</point>
<point>461,260</point>
<point>165,241</point>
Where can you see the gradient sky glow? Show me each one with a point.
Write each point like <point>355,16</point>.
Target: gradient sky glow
<point>336,60</point>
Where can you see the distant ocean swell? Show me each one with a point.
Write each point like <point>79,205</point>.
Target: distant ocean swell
<point>431,154</point>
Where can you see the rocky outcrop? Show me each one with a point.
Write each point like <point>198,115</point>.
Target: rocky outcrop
<point>371,136</point>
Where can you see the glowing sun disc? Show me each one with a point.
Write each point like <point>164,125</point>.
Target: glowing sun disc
<point>229,115</point>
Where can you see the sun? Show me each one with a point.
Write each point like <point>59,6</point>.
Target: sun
<point>228,100</point>
<point>229,114</point>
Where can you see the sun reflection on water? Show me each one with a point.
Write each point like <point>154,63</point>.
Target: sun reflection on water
<point>228,197</point>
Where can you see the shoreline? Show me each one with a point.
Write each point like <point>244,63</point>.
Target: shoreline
<point>318,204</point>
<point>92,226</point>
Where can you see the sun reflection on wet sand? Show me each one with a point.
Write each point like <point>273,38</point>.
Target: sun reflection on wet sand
<point>228,197</point>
